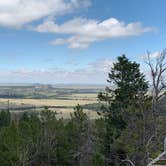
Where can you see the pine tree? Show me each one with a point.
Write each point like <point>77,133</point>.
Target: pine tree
<point>127,84</point>
<point>5,119</point>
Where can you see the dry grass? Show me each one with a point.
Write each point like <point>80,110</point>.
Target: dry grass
<point>86,96</point>
<point>65,113</point>
<point>48,102</point>
<point>72,101</point>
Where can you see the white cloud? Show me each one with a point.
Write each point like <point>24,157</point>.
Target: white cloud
<point>16,13</point>
<point>152,55</point>
<point>94,73</point>
<point>83,31</point>
<point>155,54</point>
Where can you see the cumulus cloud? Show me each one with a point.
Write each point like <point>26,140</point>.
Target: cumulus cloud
<point>82,32</point>
<point>16,13</point>
<point>94,73</point>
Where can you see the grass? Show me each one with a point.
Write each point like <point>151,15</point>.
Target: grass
<point>48,102</point>
<point>65,113</point>
<point>68,105</point>
<point>60,98</point>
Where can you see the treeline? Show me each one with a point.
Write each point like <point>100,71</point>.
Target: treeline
<point>45,91</point>
<point>129,132</point>
<point>42,139</point>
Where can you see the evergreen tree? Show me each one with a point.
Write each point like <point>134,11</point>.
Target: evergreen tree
<point>127,84</point>
<point>5,118</point>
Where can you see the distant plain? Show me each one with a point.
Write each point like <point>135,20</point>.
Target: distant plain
<point>59,98</point>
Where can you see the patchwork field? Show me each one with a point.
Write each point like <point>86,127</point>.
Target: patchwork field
<point>61,99</point>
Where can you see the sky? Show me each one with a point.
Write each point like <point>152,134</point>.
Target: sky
<point>76,41</point>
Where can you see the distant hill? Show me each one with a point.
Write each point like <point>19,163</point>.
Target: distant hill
<point>48,91</point>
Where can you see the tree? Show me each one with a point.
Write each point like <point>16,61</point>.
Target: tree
<point>126,82</point>
<point>158,73</point>
<point>79,116</point>
<point>80,121</point>
<point>30,131</point>
<point>157,66</point>
<point>127,86</point>
<point>10,146</point>
<point>5,119</point>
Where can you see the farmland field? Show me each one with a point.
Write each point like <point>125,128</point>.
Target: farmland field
<point>48,102</point>
<point>61,99</point>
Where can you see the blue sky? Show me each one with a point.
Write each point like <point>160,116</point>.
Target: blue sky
<point>75,41</point>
